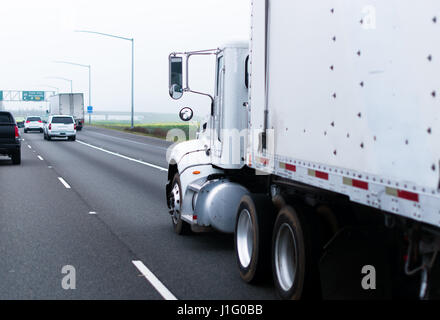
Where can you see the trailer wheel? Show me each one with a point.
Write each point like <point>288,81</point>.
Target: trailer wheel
<point>180,227</point>
<point>252,237</point>
<point>295,269</point>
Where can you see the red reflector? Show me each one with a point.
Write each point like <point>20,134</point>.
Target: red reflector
<point>408,195</point>
<point>360,184</point>
<point>290,167</point>
<point>194,217</point>
<point>321,175</point>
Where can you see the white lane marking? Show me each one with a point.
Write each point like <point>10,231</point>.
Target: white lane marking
<point>92,212</point>
<point>64,183</point>
<point>136,142</point>
<point>155,282</point>
<point>123,157</point>
<point>40,157</point>
<point>29,147</point>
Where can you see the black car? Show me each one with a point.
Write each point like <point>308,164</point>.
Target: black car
<point>10,144</point>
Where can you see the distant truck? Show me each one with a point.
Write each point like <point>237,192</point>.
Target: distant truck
<point>322,124</point>
<point>71,104</point>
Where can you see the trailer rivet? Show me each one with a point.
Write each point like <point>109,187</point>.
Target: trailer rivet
<point>433,93</point>
<point>430,57</point>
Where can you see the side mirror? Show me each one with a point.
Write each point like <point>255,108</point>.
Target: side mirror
<point>176,92</point>
<point>186,114</point>
<point>176,77</point>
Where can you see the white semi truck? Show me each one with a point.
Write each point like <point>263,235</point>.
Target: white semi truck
<point>327,118</point>
<point>71,104</point>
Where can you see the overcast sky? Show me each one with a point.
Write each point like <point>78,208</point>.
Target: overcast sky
<point>34,33</point>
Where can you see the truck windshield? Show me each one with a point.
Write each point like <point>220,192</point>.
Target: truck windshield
<point>63,120</point>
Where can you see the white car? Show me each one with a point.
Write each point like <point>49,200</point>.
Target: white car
<point>60,127</point>
<point>33,124</point>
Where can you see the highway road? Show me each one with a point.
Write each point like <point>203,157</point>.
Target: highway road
<point>98,204</point>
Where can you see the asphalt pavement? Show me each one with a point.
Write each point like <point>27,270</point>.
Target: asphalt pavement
<point>98,205</point>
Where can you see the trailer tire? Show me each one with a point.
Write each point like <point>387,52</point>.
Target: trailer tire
<point>294,266</point>
<point>180,227</point>
<point>252,237</point>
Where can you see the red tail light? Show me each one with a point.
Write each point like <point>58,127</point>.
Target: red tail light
<point>50,126</point>
<point>74,126</point>
<point>39,121</point>
<point>28,121</point>
<point>17,133</point>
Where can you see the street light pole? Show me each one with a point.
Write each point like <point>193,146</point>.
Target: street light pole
<point>132,65</point>
<point>60,78</point>
<point>89,67</point>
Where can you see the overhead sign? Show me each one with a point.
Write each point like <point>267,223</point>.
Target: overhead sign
<point>89,109</point>
<point>33,95</point>
<point>1,95</point>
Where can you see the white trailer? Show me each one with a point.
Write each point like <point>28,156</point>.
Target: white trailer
<point>329,117</point>
<point>71,104</point>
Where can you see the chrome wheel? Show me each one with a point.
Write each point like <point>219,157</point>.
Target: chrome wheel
<point>175,203</point>
<point>245,235</point>
<point>286,257</point>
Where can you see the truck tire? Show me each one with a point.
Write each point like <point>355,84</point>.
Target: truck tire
<point>73,138</point>
<point>294,265</point>
<point>16,158</point>
<point>49,137</point>
<point>252,237</point>
<point>180,227</point>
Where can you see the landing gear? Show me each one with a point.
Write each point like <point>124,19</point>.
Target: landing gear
<point>423,249</point>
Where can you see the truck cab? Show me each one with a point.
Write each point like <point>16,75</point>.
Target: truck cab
<point>198,193</point>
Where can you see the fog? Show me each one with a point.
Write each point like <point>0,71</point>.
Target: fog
<point>36,33</point>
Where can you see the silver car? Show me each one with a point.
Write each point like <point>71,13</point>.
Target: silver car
<point>60,127</point>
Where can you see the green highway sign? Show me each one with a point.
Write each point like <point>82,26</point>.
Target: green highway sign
<point>33,95</point>
<point>1,95</point>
